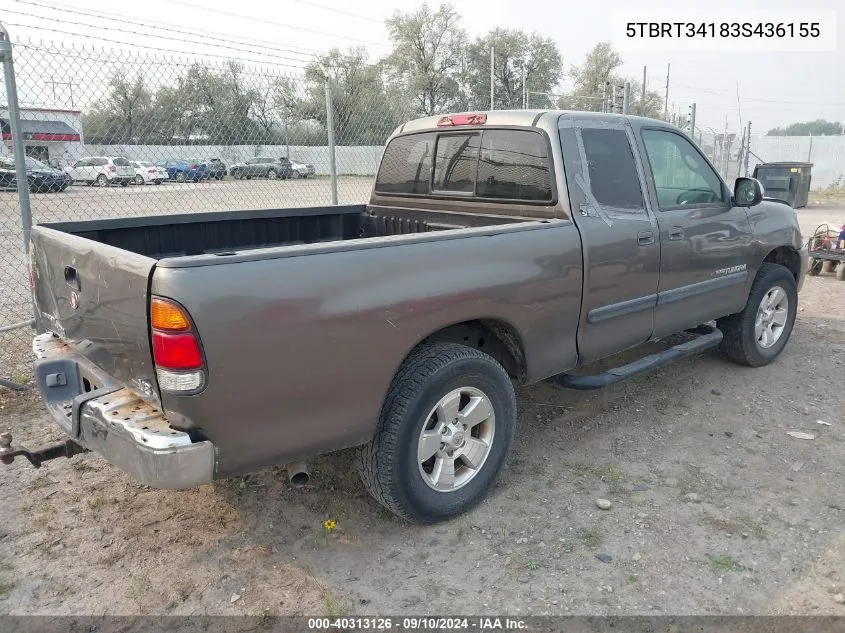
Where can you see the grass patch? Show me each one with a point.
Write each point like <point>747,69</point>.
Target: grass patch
<point>591,537</point>
<point>332,608</point>
<point>633,579</point>
<point>611,475</point>
<point>6,588</point>
<point>45,512</point>
<point>567,548</point>
<point>532,564</point>
<point>41,481</point>
<point>737,525</point>
<point>724,563</point>
<point>516,465</point>
<point>705,487</point>
<point>82,466</point>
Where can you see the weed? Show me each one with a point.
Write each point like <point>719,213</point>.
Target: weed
<point>41,481</point>
<point>331,608</point>
<point>610,474</point>
<point>45,513</point>
<point>567,548</point>
<point>725,563</point>
<point>6,588</point>
<point>516,465</point>
<point>532,564</point>
<point>591,537</point>
<point>736,525</point>
<point>82,465</point>
<point>633,579</point>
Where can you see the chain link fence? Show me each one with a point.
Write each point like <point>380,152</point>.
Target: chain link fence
<point>114,133</point>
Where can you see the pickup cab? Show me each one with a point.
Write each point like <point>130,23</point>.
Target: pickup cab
<point>497,249</point>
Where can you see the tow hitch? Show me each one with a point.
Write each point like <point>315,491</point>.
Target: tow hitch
<point>68,448</point>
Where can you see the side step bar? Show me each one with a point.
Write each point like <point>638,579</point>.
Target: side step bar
<point>708,337</point>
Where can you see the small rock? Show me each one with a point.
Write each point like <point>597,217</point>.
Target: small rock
<point>716,392</point>
<point>797,466</point>
<point>363,601</point>
<point>744,535</point>
<point>393,554</point>
<point>605,558</point>
<point>452,592</point>
<point>672,482</point>
<point>235,597</point>
<point>642,515</point>
<point>523,578</point>
<point>691,497</point>
<point>839,598</point>
<point>603,504</point>
<point>728,434</point>
<point>636,557</point>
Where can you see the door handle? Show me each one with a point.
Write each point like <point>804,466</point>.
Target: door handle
<point>676,233</point>
<point>645,237</point>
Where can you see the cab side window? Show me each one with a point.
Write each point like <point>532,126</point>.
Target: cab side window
<point>613,177</point>
<point>681,175</point>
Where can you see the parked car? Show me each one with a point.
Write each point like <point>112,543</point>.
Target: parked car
<point>42,178</point>
<point>262,167</point>
<point>215,169</point>
<point>182,170</point>
<point>302,170</point>
<point>102,171</point>
<point>520,247</point>
<point>146,172</point>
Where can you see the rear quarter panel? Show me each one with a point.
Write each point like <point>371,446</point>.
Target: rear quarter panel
<point>301,350</point>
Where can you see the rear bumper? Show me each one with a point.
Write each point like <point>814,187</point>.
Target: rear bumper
<point>129,432</point>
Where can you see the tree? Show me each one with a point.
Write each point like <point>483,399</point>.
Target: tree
<point>123,116</point>
<point>593,83</point>
<point>426,59</point>
<point>362,114</point>
<point>819,127</point>
<point>518,57</point>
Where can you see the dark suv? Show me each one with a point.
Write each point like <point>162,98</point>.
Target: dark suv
<point>215,169</point>
<point>262,167</point>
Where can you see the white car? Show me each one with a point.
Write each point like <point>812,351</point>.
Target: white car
<point>146,172</point>
<point>302,170</point>
<point>102,171</point>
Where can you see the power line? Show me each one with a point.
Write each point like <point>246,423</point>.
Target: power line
<point>162,37</point>
<point>153,48</point>
<point>279,24</point>
<point>333,10</point>
<point>151,24</point>
<point>724,94</point>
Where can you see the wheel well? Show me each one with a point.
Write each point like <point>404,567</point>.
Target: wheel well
<point>496,338</point>
<point>788,257</point>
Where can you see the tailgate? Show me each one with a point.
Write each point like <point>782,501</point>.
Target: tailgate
<point>94,296</point>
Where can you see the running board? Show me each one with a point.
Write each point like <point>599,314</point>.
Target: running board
<point>708,337</point>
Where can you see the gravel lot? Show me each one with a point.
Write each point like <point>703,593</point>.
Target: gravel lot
<point>715,509</point>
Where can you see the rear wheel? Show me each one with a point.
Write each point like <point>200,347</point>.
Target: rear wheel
<point>139,179</point>
<point>828,266</point>
<point>156,182</point>
<point>180,176</point>
<point>102,181</point>
<point>815,267</point>
<point>271,174</point>
<point>124,183</point>
<point>444,431</point>
<point>758,334</point>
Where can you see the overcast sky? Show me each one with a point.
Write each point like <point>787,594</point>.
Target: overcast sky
<point>775,88</point>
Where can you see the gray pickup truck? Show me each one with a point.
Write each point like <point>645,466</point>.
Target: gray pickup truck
<point>497,248</point>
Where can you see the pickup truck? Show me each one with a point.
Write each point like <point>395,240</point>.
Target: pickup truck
<point>497,249</point>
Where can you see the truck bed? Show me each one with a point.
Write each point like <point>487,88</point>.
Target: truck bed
<point>158,237</point>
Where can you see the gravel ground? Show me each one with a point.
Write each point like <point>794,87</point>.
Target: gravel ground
<point>715,509</point>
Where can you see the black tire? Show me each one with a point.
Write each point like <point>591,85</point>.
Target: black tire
<point>180,176</point>
<point>840,272</point>
<point>124,183</point>
<point>388,463</point>
<point>829,266</point>
<point>156,182</point>
<point>739,343</point>
<point>272,174</point>
<point>102,180</point>
<point>236,175</point>
<point>815,267</point>
<point>139,179</point>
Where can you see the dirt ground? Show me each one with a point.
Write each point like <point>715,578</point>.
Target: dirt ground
<point>716,510</point>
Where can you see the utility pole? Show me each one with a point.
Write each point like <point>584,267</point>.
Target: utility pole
<point>692,120</point>
<point>613,99</point>
<point>642,97</point>
<point>492,84</point>
<point>666,99</point>
<point>626,97</point>
<point>747,149</point>
<point>604,98</point>
<point>524,91</point>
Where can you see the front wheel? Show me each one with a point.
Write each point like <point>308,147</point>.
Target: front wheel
<point>272,175</point>
<point>444,431</point>
<point>758,334</point>
<point>139,179</point>
<point>102,180</point>
<point>180,176</point>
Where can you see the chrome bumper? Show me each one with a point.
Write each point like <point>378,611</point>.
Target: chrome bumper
<point>113,421</point>
<point>804,253</point>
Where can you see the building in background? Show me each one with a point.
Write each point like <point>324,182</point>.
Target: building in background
<point>51,135</point>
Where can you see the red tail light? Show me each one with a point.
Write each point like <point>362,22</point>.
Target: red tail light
<point>111,168</point>
<point>462,119</point>
<point>176,351</point>
<point>194,167</point>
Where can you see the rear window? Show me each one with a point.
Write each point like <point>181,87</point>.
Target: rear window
<point>492,164</point>
<point>122,162</point>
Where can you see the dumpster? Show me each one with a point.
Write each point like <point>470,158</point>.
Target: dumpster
<point>789,182</point>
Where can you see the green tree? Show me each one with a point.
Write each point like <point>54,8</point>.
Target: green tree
<point>362,114</point>
<point>426,59</point>
<point>819,127</point>
<point>517,56</point>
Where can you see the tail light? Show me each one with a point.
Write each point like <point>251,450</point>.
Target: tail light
<point>177,354</point>
<point>194,167</point>
<point>111,168</point>
<point>152,171</point>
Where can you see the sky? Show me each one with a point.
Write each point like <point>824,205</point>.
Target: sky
<point>775,88</point>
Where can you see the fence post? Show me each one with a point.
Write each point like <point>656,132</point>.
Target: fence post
<point>17,137</point>
<point>330,130</point>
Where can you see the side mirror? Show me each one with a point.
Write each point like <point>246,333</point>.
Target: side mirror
<point>748,192</point>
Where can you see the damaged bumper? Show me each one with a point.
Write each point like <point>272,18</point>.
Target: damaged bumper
<point>110,419</point>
